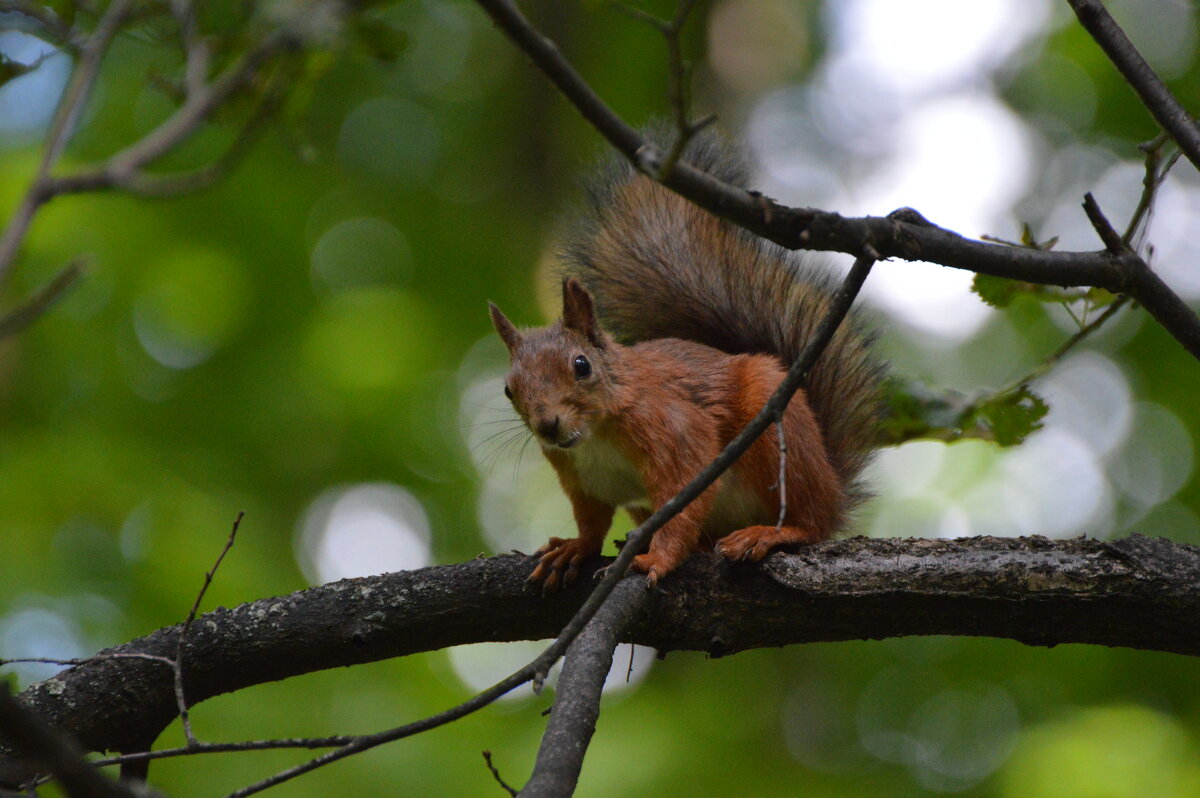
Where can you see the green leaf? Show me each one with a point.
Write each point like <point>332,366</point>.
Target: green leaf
<point>917,411</point>
<point>1011,417</point>
<point>998,292</point>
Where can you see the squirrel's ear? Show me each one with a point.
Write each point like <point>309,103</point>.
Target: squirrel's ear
<point>508,332</point>
<point>579,312</point>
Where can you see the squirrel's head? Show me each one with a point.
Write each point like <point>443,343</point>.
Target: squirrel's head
<point>560,381</point>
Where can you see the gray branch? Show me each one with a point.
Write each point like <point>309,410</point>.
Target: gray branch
<point>577,697</point>
<point>1136,592</point>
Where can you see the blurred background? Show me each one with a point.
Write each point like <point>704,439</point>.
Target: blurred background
<point>307,342</point>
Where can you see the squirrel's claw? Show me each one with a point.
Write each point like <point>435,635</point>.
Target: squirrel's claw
<point>654,565</point>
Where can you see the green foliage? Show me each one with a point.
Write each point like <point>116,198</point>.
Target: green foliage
<point>916,410</point>
<point>1009,418</point>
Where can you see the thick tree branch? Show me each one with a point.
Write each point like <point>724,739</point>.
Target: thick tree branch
<point>810,228</point>
<point>1137,592</point>
<point>577,697</point>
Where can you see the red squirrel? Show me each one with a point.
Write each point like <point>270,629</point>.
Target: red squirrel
<point>676,327</point>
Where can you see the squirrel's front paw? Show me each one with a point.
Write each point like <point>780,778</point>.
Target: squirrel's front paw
<point>559,561</point>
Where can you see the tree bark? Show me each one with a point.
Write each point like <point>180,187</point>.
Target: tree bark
<point>1137,592</point>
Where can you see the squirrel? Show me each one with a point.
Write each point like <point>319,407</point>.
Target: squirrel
<point>676,328</point>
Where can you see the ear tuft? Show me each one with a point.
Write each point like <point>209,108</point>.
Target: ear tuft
<point>507,330</point>
<point>579,312</point>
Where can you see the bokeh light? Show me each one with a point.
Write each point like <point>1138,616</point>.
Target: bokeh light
<point>362,530</point>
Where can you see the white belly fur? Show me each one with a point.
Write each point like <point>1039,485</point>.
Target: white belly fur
<point>606,474</point>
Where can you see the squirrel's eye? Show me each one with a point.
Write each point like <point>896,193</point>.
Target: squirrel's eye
<point>508,392</point>
<point>583,368</point>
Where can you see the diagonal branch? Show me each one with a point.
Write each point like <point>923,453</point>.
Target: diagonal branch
<point>21,317</point>
<point>577,696</point>
<point>1155,95</point>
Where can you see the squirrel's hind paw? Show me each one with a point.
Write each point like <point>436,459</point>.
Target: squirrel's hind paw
<point>654,565</point>
<point>755,542</point>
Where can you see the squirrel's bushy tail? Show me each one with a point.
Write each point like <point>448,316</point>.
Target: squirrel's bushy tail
<point>659,266</point>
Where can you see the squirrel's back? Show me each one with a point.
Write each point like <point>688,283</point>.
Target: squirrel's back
<point>660,267</point>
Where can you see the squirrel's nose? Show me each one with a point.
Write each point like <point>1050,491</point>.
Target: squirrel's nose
<point>548,428</point>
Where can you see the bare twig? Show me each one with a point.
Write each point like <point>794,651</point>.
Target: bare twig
<point>21,317</point>
<point>74,98</point>
<point>1051,360</point>
<point>57,31</point>
<point>74,662</point>
<point>187,625</point>
<point>124,169</point>
<point>195,48</point>
<point>487,757</point>
<point>1151,181</point>
<point>1108,234</point>
<point>678,85</point>
<point>1155,95</point>
<point>782,474</point>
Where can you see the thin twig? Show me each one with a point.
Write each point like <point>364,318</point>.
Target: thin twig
<point>59,32</point>
<point>1151,180</point>
<point>782,474</point>
<point>1162,105</point>
<point>1051,360</point>
<point>1155,173</point>
<point>678,86</point>
<point>1108,234</point>
<point>195,48</point>
<point>124,169</point>
<point>74,662</point>
<point>487,757</point>
<point>21,317</point>
<point>187,625</point>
